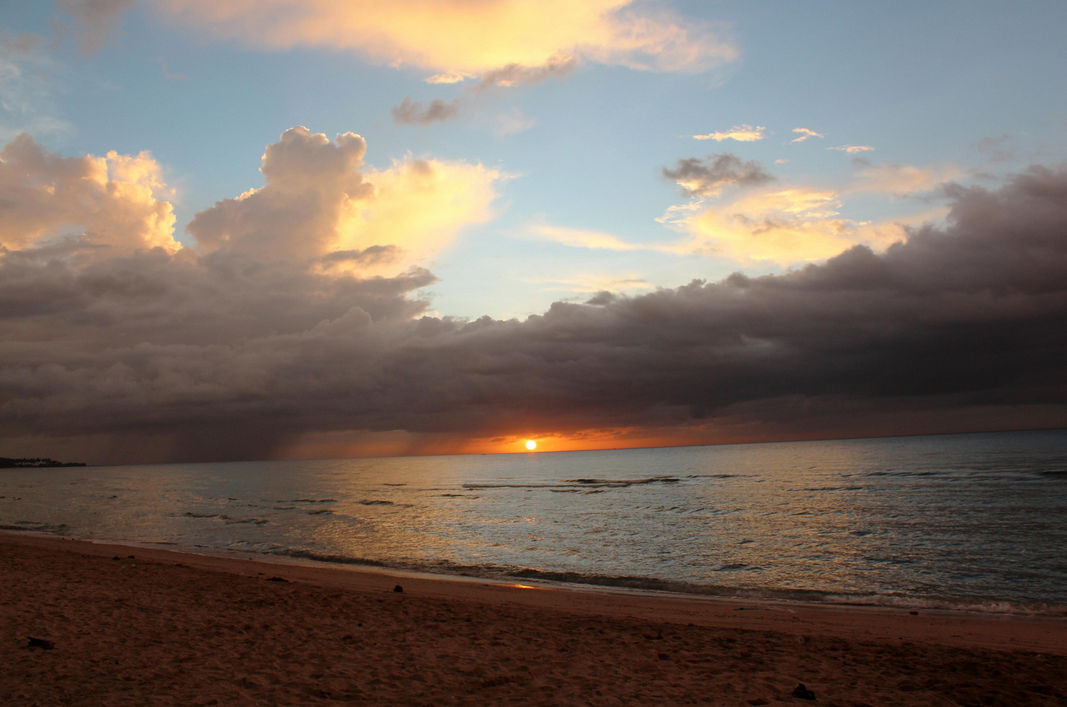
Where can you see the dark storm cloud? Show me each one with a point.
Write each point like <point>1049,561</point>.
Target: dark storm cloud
<point>413,113</point>
<point>710,175</point>
<point>223,351</point>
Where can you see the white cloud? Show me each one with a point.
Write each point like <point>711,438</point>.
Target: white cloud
<point>26,101</point>
<point>583,238</point>
<point>741,133</point>
<point>852,149</point>
<point>805,134</point>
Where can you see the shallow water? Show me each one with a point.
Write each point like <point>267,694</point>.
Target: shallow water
<point>974,521</point>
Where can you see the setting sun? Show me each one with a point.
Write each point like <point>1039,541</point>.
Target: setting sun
<point>531,445</point>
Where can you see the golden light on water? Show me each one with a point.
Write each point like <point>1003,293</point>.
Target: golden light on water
<point>531,445</point>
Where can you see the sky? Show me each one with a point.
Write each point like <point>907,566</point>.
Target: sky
<point>327,228</point>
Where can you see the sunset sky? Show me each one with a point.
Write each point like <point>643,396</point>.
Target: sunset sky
<point>236,229</point>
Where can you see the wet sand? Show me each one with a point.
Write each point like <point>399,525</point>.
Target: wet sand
<point>167,628</point>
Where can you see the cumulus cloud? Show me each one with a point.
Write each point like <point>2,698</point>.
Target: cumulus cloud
<point>851,149</point>
<point>97,20</point>
<point>741,133</point>
<point>709,176</point>
<point>110,203</point>
<point>223,353</point>
<point>524,40</point>
<point>410,112</point>
<point>805,134</point>
<point>318,198</point>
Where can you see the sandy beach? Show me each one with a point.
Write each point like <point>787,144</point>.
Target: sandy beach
<point>135,626</point>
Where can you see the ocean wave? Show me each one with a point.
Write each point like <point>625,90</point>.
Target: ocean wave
<point>788,595</point>
<point>575,485</point>
<point>226,519</point>
<point>33,526</point>
<point>302,554</point>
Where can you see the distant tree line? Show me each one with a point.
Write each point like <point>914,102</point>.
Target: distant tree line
<point>35,463</point>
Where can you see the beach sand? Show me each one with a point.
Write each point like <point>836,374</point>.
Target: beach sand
<point>166,628</point>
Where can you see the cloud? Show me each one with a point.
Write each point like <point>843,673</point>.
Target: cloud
<point>223,355</point>
<point>273,354</point>
<point>741,133</point>
<point>785,226</point>
<point>97,20</point>
<point>412,112</point>
<point>20,44</point>
<point>511,122</point>
<point>109,203</point>
<point>167,71</point>
<point>582,238</point>
<point>26,101</point>
<point>708,177</point>
<point>902,179</point>
<point>997,149</point>
<point>851,149</point>
<point>805,134</point>
<point>513,74</point>
<point>449,77</point>
<point>781,161</point>
<point>318,198</point>
<point>471,39</point>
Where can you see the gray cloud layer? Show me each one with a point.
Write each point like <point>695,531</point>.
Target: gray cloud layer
<point>708,176</point>
<point>97,20</point>
<point>229,355</point>
<point>520,75</point>
<point>413,113</point>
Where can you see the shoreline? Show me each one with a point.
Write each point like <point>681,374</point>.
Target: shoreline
<point>128,625</point>
<point>1039,633</point>
<point>635,586</point>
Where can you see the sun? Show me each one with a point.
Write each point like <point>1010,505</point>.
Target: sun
<point>531,445</point>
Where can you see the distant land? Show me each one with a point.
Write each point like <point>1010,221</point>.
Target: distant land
<point>35,463</point>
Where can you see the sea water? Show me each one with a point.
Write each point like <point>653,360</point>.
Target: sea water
<point>957,521</point>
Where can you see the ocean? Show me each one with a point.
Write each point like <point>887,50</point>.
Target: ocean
<point>974,522</point>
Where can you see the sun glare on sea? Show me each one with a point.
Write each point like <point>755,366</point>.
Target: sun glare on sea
<point>531,445</point>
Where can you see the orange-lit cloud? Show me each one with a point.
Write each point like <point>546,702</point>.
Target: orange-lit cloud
<point>805,134</point>
<point>112,203</point>
<point>785,226</point>
<point>419,206</point>
<point>582,238</point>
<point>459,40</point>
<point>852,149</point>
<point>741,133</point>
<point>902,179</point>
<point>319,200</point>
